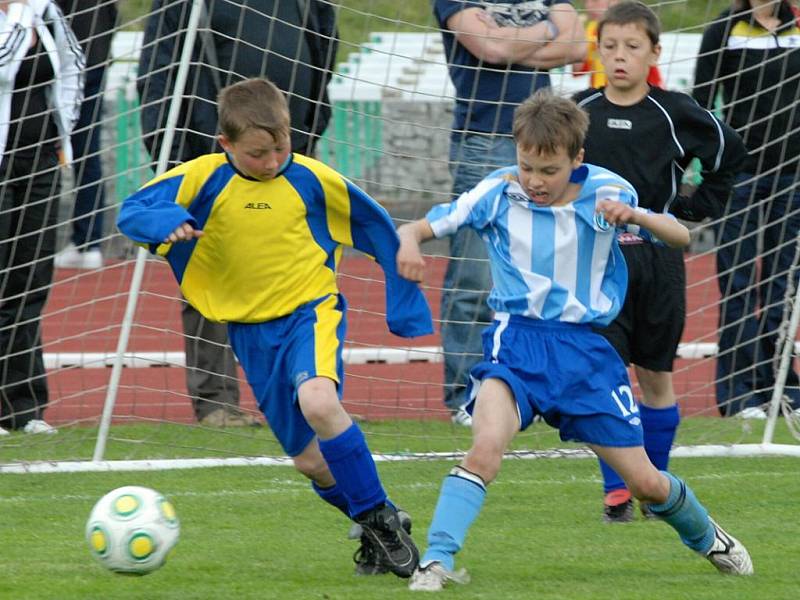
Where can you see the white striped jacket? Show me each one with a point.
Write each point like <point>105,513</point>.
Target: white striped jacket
<point>17,24</point>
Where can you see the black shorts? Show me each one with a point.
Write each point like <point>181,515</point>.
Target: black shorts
<point>649,327</point>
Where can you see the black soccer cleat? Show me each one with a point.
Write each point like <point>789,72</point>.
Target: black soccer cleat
<point>385,544</point>
<point>618,507</point>
<point>367,559</point>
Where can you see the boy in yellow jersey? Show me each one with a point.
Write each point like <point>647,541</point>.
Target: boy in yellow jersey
<point>595,9</point>
<point>254,237</point>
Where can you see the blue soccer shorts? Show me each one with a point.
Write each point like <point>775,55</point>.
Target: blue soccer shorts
<point>566,373</point>
<point>279,355</point>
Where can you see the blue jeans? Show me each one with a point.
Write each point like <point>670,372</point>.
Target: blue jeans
<point>752,303</point>
<point>467,281</point>
<point>90,200</point>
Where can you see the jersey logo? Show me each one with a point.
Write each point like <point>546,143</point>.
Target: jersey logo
<point>258,205</point>
<point>600,222</point>
<point>619,124</point>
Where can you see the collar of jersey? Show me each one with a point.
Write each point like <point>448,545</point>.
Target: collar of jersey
<point>281,171</point>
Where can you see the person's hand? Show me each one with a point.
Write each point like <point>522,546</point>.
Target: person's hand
<point>183,233</point>
<point>410,263</point>
<point>616,213</point>
<point>487,19</point>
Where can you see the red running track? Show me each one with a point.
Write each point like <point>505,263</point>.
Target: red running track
<point>86,308</point>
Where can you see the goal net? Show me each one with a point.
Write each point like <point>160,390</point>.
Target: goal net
<point>111,333</point>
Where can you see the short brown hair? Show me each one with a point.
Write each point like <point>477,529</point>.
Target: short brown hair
<point>547,123</point>
<point>626,13</point>
<point>253,104</point>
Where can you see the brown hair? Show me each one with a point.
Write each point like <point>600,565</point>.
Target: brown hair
<point>626,13</point>
<point>547,123</point>
<point>253,104</point>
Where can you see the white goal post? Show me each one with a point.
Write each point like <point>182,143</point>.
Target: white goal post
<point>112,338</point>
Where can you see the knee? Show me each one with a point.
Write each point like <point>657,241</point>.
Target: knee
<point>650,487</point>
<point>319,403</point>
<point>484,459</point>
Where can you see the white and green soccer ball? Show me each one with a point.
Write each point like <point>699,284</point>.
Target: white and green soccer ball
<point>132,530</point>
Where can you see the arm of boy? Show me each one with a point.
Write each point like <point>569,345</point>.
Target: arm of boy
<point>410,263</point>
<point>665,227</point>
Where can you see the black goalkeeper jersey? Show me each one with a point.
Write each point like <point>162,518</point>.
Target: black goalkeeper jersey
<point>652,142</point>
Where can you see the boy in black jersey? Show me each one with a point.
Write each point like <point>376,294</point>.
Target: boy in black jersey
<point>649,136</point>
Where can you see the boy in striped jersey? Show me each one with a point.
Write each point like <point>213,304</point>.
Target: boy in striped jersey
<point>550,226</point>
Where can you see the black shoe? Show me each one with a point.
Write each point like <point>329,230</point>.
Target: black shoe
<point>644,508</point>
<point>385,544</point>
<point>367,559</point>
<point>618,507</point>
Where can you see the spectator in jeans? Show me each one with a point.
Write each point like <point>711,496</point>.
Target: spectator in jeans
<point>93,24</point>
<point>291,43</point>
<point>498,53</point>
<point>751,55</point>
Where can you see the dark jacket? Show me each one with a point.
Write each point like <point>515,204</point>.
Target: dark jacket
<point>93,24</point>
<point>291,42</point>
<point>759,76</point>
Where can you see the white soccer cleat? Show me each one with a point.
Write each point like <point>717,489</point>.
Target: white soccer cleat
<point>4,432</point>
<point>39,426</point>
<point>461,417</point>
<point>728,554</point>
<point>433,577</point>
<point>72,258</point>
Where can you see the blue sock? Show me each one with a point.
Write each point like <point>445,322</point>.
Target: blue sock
<point>611,481</point>
<point>686,515</point>
<point>333,496</point>
<point>460,501</point>
<point>354,470</point>
<point>660,425</point>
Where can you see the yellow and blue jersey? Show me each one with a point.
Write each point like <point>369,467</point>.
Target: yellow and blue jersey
<point>268,246</point>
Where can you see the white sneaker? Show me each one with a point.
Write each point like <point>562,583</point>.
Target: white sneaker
<point>753,412</point>
<point>433,577</point>
<point>4,432</point>
<point>39,426</point>
<point>728,554</point>
<point>461,417</point>
<point>72,258</point>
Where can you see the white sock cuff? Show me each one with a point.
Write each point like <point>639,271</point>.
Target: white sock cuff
<point>469,476</point>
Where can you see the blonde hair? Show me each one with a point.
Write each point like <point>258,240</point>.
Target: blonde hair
<point>548,123</point>
<point>253,104</point>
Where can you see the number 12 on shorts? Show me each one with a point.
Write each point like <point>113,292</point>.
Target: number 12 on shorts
<point>622,396</point>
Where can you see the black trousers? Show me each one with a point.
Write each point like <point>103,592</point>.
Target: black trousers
<point>29,192</point>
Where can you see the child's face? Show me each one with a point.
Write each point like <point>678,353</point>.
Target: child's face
<point>545,177</point>
<point>257,154</point>
<point>627,55</point>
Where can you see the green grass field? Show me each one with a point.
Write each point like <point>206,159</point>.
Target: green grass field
<point>259,532</point>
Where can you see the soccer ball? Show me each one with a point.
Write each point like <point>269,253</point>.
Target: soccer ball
<point>132,530</point>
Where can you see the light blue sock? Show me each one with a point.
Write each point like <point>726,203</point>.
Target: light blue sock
<point>686,515</point>
<point>460,501</point>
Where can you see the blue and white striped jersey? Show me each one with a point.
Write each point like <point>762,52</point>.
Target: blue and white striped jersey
<point>558,263</point>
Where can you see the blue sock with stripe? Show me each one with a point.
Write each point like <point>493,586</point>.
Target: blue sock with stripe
<point>660,426</point>
<point>333,496</point>
<point>354,470</point>
<point>686,515</point>
<point>460,502</point>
